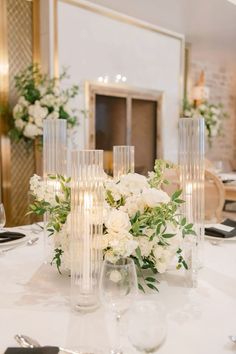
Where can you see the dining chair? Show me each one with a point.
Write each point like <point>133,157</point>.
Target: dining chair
<point>214,197</point>
<point>214,192</point>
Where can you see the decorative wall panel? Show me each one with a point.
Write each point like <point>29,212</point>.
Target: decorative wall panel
<point>19,25</point>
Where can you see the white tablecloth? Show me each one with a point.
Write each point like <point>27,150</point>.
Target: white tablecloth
<point>34,300</point>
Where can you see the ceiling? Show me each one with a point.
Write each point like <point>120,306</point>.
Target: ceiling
<point>210,25</point>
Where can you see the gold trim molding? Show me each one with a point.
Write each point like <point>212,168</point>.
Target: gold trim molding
<point>4,93</point>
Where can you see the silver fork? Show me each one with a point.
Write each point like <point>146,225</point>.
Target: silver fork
<point>30,242</point>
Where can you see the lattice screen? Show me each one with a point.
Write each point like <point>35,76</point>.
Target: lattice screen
<point>19,21</point>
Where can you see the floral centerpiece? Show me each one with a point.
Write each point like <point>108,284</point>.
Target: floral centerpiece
<point>212,113</point>
<point>40,98</point>
<point>140,221</point>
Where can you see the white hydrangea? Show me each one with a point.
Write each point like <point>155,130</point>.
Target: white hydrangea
<point>133,204</point>
<point>162,258</point>
<point>18,111</point>
<point>20,124</point>
<point>48,100</point>
<point>31,130</point>
<point>37,111</point>
<point>53,115</point>
<point>122,243</point>
<point>145,246</point>
<point>23,102</point>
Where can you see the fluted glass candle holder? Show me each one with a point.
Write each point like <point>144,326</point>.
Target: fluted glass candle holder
<point>123,160</point>
<point>191,163</point>
<point>87,206</point>
<point>54,162</point>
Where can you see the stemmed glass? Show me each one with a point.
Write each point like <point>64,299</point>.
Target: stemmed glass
<point>147,325</point>
<point>2,217</point>
<point>117,289</point>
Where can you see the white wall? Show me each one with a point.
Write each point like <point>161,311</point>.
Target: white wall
<point>94,45</point>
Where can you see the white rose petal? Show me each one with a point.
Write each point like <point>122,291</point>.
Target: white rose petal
<point>118,220</point>
<point>153,197</point>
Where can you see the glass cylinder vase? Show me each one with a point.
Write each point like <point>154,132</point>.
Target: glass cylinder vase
<point>87,206</point>
<point>123,160</point>
<point>191,163</point>
<point>54,163</point>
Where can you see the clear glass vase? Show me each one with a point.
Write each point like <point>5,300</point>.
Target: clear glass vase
<point>87,206</point>
<point>123,160</point>
<point>54,163</point>
<point>191,163</point>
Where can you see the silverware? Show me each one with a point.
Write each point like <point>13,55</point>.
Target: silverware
<point>30,242</point>
<point>27,342</point>
<point>233,339</point>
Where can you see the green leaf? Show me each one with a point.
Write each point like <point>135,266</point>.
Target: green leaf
<point>176,195</point>
<point>141,287</point>
<point>153,287</point>
<point>168,235</point>
<point>151,279</point>
<point>183,221</point>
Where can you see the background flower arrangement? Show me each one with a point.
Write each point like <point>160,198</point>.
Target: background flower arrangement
<point>212,113</point>
<point>40,98</point>
<point>140,221</point>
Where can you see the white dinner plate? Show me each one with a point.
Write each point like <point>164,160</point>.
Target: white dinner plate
<point>220,238</point>
<point>15,242</point>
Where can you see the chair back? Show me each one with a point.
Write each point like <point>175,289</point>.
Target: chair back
<point>214,197</point>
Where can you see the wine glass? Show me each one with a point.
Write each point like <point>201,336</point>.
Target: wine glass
<point>118,289</point>
<point>2,217</point>
<point>147,325</point>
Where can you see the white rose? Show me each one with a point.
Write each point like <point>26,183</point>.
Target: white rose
<point>31,131</point>
<point>162,258</point>
<point>132,183</point>
<point>117,221</point>
<point>20,124</point>
<point>153,197</point>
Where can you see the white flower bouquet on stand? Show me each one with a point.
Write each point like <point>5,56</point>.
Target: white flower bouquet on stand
<point>40,98</point>
<point>213,115</point>
<point>140,221</point>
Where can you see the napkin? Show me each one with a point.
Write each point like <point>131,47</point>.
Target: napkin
<point>7,236</point>
<point>226,229</point>
<point>40,350</point>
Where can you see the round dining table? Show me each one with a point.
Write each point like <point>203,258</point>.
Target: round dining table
<point>35,301</point>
